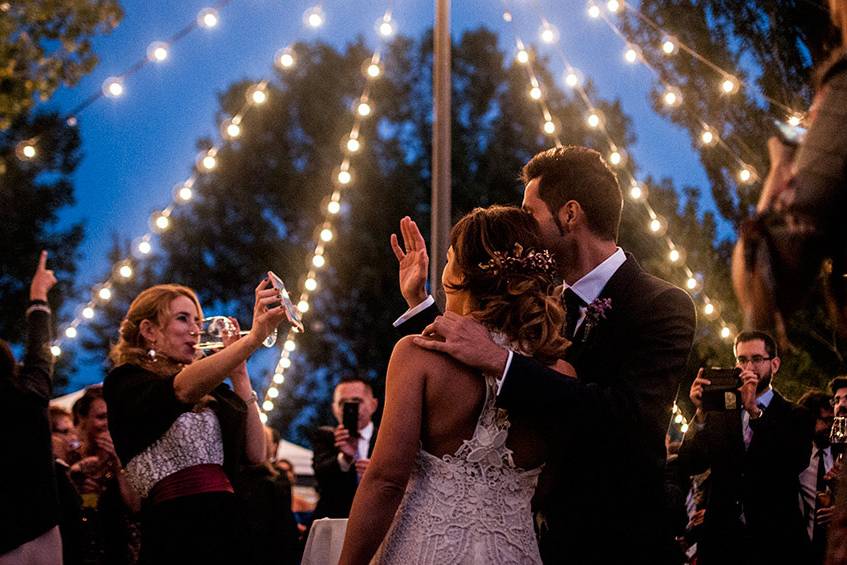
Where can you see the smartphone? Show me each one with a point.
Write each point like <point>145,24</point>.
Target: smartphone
<point>722,394</point>
<point>350,417</point>
<point>291,312</point>
<point>788,134</point>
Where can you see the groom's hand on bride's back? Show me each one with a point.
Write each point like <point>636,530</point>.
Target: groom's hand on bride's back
<point>466,340</point>
<point>413,262</point>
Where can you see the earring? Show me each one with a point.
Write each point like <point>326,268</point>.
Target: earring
<point>151,353</point>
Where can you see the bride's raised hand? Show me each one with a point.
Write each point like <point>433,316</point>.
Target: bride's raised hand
<point>413,262</point>
<point>268,311</point>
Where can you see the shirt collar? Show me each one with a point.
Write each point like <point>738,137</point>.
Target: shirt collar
<point>591,285</point>
<point>366,432</point>
<point>766,397</point>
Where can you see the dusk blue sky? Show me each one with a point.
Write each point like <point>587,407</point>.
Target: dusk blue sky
<point>138,146</point>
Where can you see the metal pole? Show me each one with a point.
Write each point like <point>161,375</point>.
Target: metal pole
<point>440,227</point>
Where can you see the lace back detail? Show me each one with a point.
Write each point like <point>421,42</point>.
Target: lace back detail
<point>469,508</point>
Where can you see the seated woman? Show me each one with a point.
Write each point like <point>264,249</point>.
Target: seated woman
<point>179,432</point>
<point>467,469</point>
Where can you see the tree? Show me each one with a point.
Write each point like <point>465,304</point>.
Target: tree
<point>773,48</point>
<point>44,45</point>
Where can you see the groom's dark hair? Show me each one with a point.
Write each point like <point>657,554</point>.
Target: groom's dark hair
<point>581,174</point>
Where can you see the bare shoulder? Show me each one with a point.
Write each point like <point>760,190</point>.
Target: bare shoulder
<point>414,358</point>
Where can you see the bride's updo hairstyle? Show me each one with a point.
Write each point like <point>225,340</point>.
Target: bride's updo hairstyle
<point>151,304</point>
<point>510,278</point>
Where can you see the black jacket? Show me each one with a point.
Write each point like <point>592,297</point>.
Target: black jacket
<point>762,481</point>
<point>336,487</point>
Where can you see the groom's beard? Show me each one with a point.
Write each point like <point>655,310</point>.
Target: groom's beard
<point>764,383</point>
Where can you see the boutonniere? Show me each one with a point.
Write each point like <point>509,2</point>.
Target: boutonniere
<point>595,312</point>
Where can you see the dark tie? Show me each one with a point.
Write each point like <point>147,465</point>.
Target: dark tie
<point>819,531</point>
<point>572,305</point>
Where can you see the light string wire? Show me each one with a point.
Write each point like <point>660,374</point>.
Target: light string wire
<point>637,191</point>
<point>114,86</point>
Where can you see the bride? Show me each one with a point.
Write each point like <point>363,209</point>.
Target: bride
<point>452,476</point>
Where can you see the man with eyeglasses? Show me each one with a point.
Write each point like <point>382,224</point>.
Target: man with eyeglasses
<point>756,453</point>
<point>838,388</point>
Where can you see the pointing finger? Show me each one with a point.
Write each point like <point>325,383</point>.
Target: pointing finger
<point>42,261</point>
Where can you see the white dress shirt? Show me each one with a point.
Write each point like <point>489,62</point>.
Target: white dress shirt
<point>363,446</point>
<point>809,485</point>
<point>763,401</point>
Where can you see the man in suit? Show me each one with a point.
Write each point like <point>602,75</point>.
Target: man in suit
<point>631,334</point>
<point>838,388</point>
<point>341,458</point>
<point>814,479</point>
<point>756,454</point>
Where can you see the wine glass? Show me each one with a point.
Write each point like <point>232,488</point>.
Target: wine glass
<point>215,328</point>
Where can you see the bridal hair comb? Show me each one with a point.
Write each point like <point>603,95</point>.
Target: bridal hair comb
<point>518,261</point>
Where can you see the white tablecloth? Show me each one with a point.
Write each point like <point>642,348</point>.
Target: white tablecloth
<point>325,541</point>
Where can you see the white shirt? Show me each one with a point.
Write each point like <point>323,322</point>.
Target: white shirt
<point>363,445</point>
<point>809,485</point>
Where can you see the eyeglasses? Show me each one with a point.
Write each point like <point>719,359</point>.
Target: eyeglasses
<point>836,399</point>
<point>755,360</point>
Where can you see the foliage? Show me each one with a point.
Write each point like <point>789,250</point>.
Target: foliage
<point>44,45</point>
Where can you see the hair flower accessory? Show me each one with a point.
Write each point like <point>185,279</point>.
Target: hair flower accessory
<point>518,261</point>
<point>595,312</point>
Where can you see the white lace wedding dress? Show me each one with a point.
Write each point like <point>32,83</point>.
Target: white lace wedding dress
<point>472,507</point>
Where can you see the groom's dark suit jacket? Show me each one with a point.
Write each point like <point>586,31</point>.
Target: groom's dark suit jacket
<point>606,429</point>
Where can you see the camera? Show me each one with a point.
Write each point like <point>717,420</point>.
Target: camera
<point>722,394</point>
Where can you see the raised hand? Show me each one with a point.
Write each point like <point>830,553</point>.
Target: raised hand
<point>345,443</point>
<point>413,261</point>
<point>466,340</point>
<point>42,281</point>
<point>749,381</point>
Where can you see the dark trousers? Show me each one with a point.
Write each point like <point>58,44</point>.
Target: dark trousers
<point>202,528</point>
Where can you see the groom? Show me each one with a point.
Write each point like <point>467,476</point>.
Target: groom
<point>602,498</point>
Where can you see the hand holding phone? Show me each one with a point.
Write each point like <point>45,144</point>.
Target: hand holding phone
<point>350,418</point>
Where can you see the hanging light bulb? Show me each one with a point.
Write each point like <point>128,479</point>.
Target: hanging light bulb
<point>638,191</point>
<point>144,247</point>
<point>372,69</point>
<point>672,97</point>
<point>676,255</point>
<point>25,150</point>
<point>279,378</point>
<point>157,51</point>
<point>88,312</point>
<point>289,345</point>
<point>303,306</point>
<point>657,226</point>
<point>160,222</point>
<point>55,350</point>
<point>507,16</point>
<point>522,56</point>
<point>263,417</point>
<point>593,10</point>
<point>70,332</point>
<point>284,58</point>
<point>326,235</point>
<point>726,332</point>
<point>708,137</point>
<point>285,362</point>
<point>573,78</point>
<point>105,294</point>
<point>257,94</point>
<point>311,284</point>
<point>729,85</point>
<point>549,127</point>
<point>113,87</point>
<point>683,428</point>
<point>183,192</point>
<point>352,144</point>
<point>208,18</point>
<point>613,6</point>
<point>273,392</point>
<point>617,157</point>
<point>678,418</point>
<point>267,405</point>
<point>593,120</point>
<point>535,93</point>
<point>632,54</point>
<point>231,128</point>
<point>206,161</point>
<point>693,283</point>
<point>364,108</point>
<point>318,261</point>
<point>333,207</point>
<point>385,27</point>
<point>711,310</point>
<point>746,175</point>
<point>670,46</point>
<point>344,177</point>
<point>125,271</point>
<point>795,119</point>
<point>548,33</point>
<point>314,17</point>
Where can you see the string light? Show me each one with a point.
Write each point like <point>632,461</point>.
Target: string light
<point>303,306</point>
<point>333,207</point>
<point>549,127</point>
<point>230,129</point>
<point>364,108</point>
<point>672,97</point>
<point>631,54</point>
<point>795,120</point>
<point>105,294</point>
<point>70,332</point>
<point>267,405</point>
<point>708,138</point>
<point>284,58</point>
<point>207,161</point>
<point>613,6</point>
<point>522,56</point>
<point>289,345</point>
<point>373,69</point>
<point>160,222</point>
<point>55,350</point>
<point>729,85</point>
<point>285,363</point>
<point>326,235</point>
<point>617,157</point>
<point>183,193</point>
<point>657,226</point>
<point>638,191</point>
<point>314,17</point>
<point>257,94</point>
<point>676,255</point>
<point>25,150</point>
<point>353,145</point>
<point>535,93</point>
<point>726,333</point>
<point>593,10</point>
<point>670,46</point>
<point>273,392</point>
<point>593,120</point>
<point>573,78</point>
<point>384,26</point>
<point>144,247</point>
<point>113,87</point>
<point>710,310</point>
<point>125,271</point>
<point>318,261</point>
<point>746,175</point>
<point>278,378</point>
<point>263,417</point>
<point>88,312</point>
<point>157,52</point>
<point>548,33</point>
<point>344,177</point>
<point>311,284</point>
<point>208,18</point>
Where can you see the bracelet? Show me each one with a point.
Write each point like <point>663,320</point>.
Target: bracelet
<point>253,398</point>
